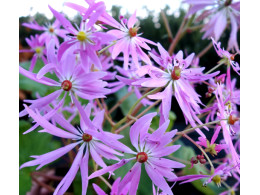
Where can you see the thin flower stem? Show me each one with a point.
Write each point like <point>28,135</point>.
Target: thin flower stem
<point>44,185</point>
<point>106,116</point>
<point>226,185</point>
<point>105,181</point>
<point>193,128</point>
<point>138,116</point>
<point>132,108</point>
<point>214,68</point>
<point>180,160</point>
<point>177,37</point>
<point>120,102</point>
<point>191,140</point>
<point>193,28</point>
<point>167,26</point>
<point>105,48</point>
<point>51,177</point>
<point>205,50</point>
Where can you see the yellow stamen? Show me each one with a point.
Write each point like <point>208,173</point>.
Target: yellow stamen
<point>81,36</point>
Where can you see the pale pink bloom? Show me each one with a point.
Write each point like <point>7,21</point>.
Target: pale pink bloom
<point>38,48</point>
<point>151,148</point>
<point>219,13</point>
<point>176,77</point>
<point>90,135</point>
<point>51,31</point>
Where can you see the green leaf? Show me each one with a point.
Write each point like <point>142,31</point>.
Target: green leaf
<point>128,103</point>
<point>33,143</point>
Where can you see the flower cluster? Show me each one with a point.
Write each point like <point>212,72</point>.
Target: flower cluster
<point>80,70</point>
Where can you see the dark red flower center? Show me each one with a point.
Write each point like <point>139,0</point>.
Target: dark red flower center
<point>176,73</point>
<point>86,137</point>
<point>232,119</point>
<point>133,32</point>
<point>66,85</point>
<point>141,157</point>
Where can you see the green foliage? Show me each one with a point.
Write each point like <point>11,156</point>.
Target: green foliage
<point>33,143</point>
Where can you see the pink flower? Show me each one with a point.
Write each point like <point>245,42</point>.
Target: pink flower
<point>227,58</point>
<point>85,39</point>
<point>219,12</point>
<point>52,31</point>
<point>38,48</point>
<point>150,151</point>
<point>220,173</point>
<point>114,190</point>
<point>72,79</point>
<point>211,147</point>
<point>93,140</point>
<point>176,77</point>
<point>227,127</point>
<point>130,43</point>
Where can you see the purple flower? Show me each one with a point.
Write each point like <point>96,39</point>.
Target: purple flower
<point>52,31</point>
<point>220,12</point>
<point>85,39</point>
<point>176,77</point>
<point>227,127</point>
<point>130,43</point>
<point>150,151</point>
<point>72,79</point>
<point>220,173</point>
<point>38,48</point>
<point>114,189</point>
<point>211,147</point>
<point>93,140</point>
<point>227,58</point>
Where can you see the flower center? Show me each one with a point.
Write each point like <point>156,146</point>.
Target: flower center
<point>141,157</point>
<point>176,73</point>
<point>66,85</point>
<point>51,29</point>
<point>81,36</point>
<point>228,2</point>
<point>86,137</point>
<point>133,32</point>
<point>38,50</point>
<point>232,119</point>
<point>217,180</point>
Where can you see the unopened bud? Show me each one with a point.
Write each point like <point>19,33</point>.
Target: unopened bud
<point>203,161</point>
<point>208,95</point>
<point>200,157</point>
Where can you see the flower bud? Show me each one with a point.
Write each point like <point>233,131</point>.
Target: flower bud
<point>208,95</point>
<point>203,161</point>
<point>200,157</point>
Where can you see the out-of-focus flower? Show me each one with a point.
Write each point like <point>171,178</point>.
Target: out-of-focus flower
<point>227,127</point>
<point>220,13</point>
<point>38,48</point>
<point>51,31</point>
<point>220,173</point>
